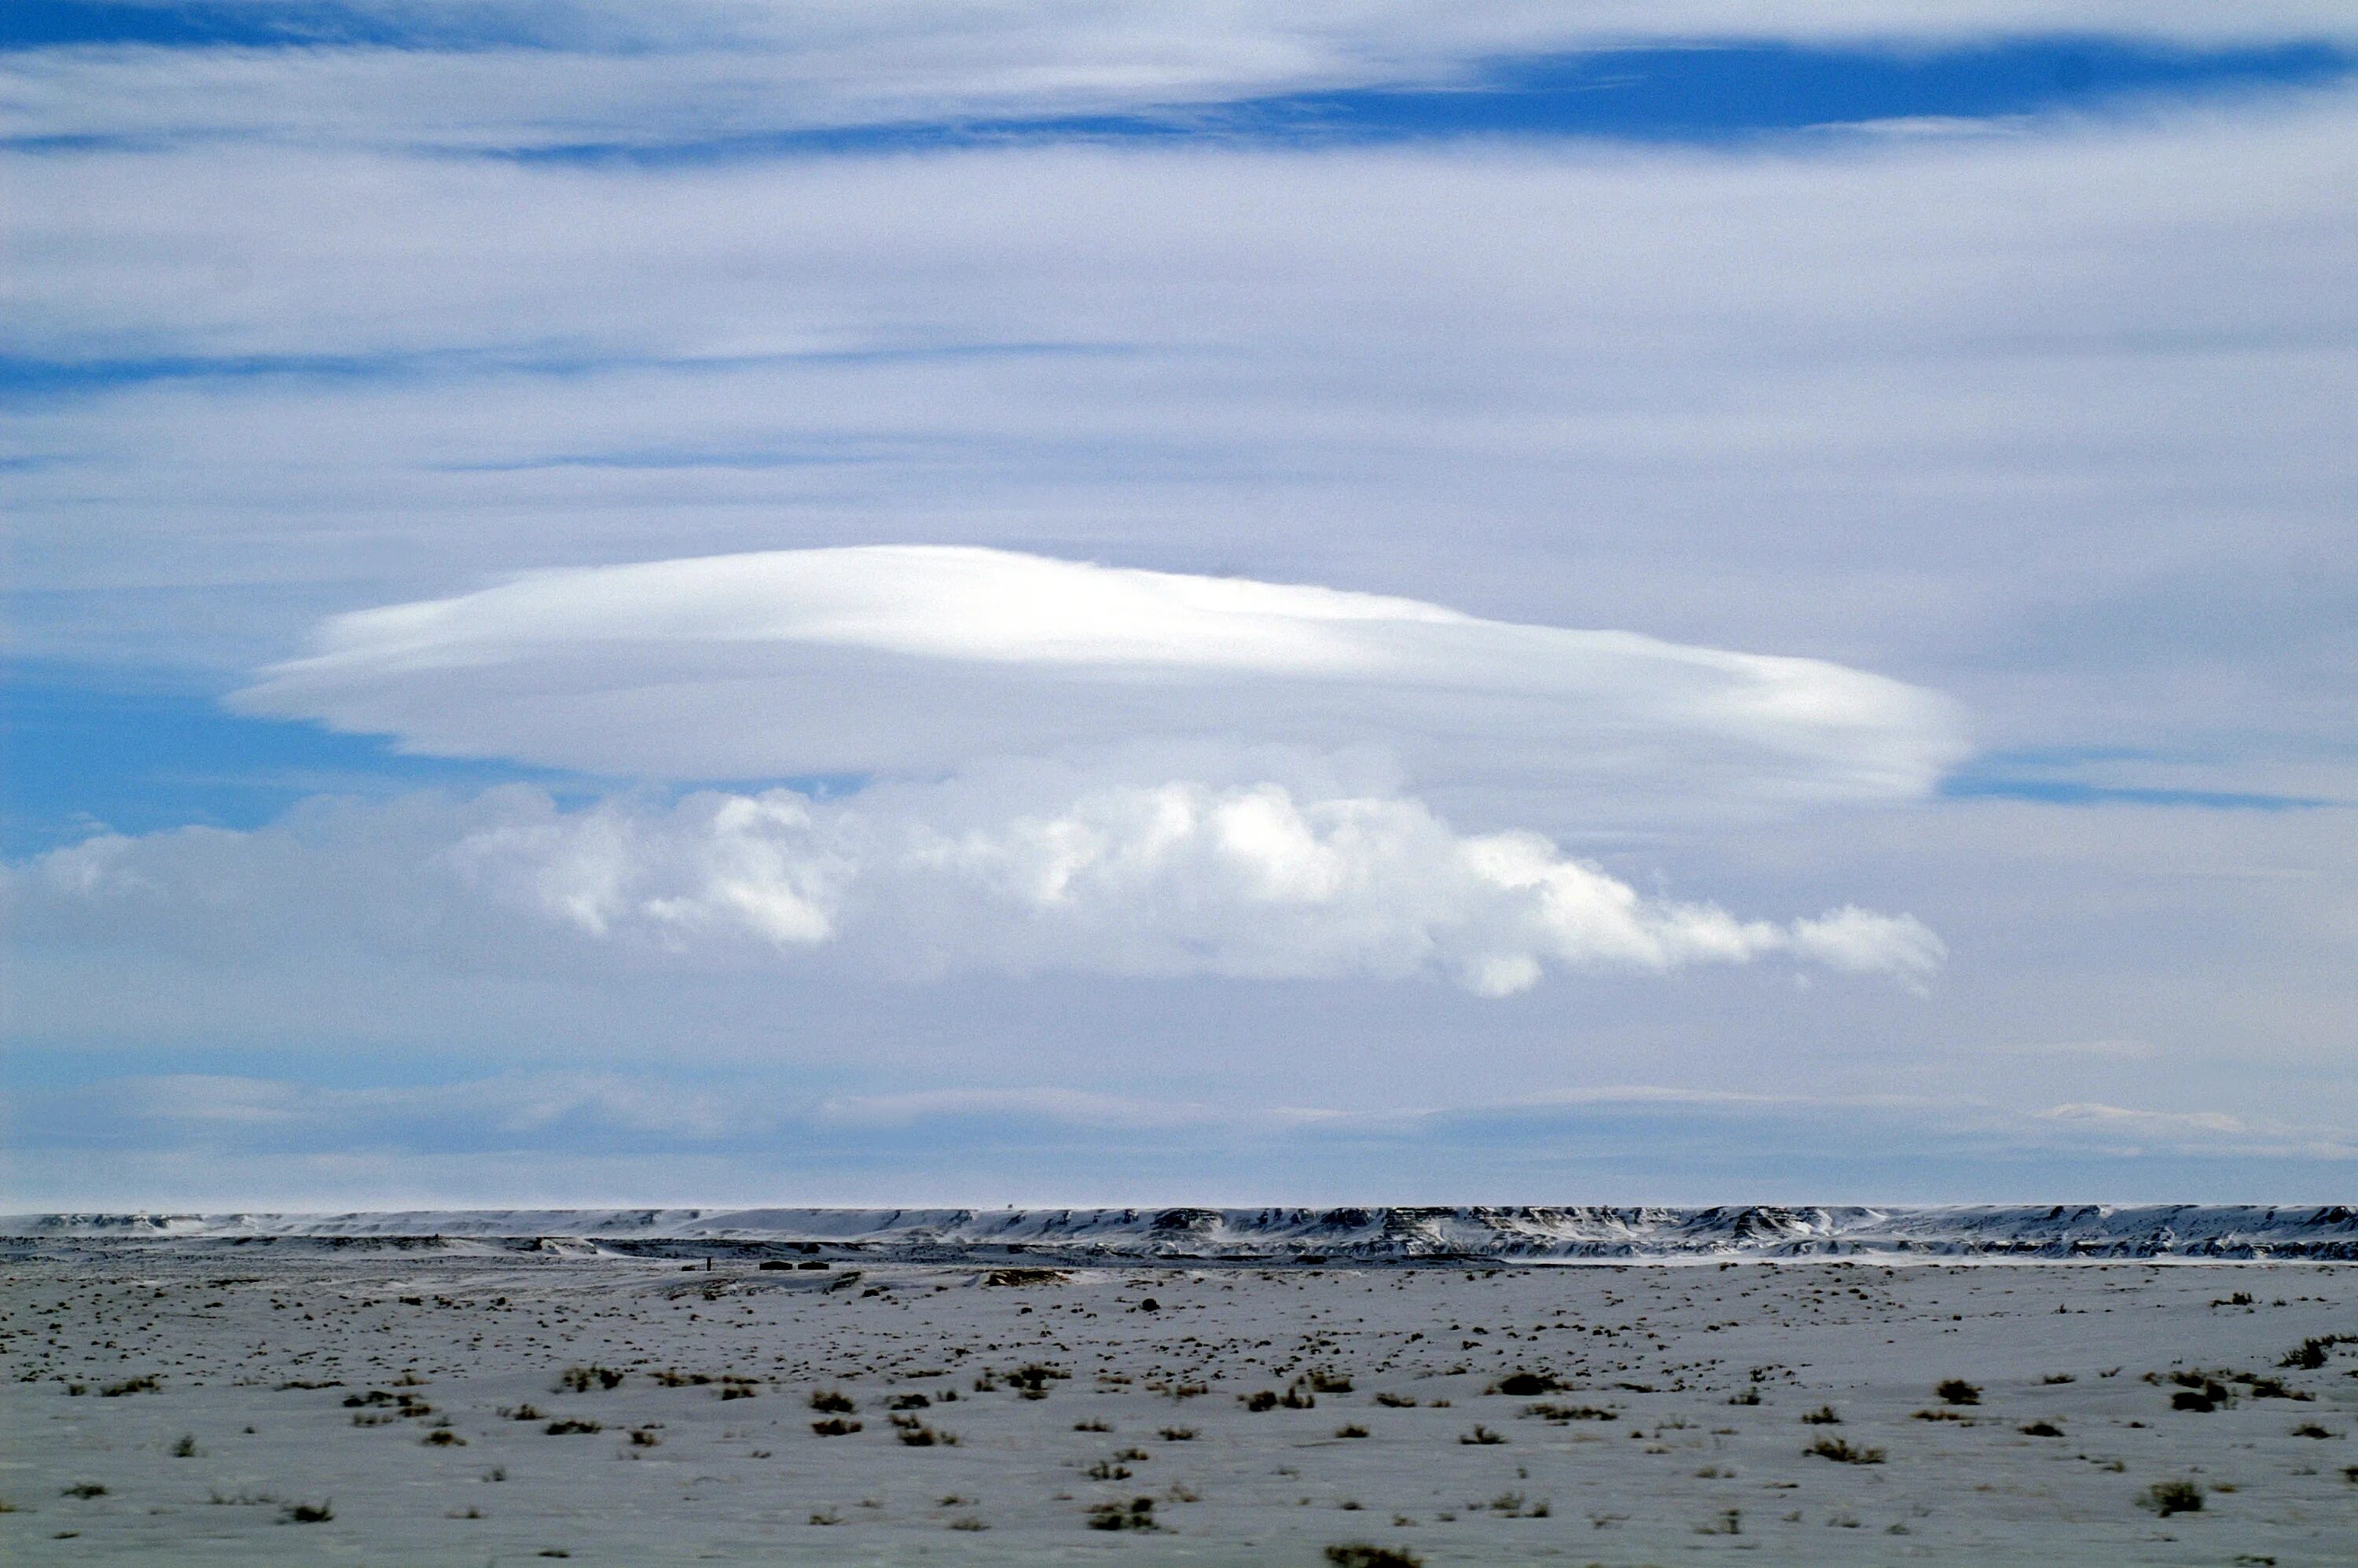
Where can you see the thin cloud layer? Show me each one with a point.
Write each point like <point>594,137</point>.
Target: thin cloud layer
<point>1178,879</point>
<point>246,1143</point>
<point>503,78</point>
<point>920,660</point>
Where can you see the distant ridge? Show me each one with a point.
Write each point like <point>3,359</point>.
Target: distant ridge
<point>1264,1237</point>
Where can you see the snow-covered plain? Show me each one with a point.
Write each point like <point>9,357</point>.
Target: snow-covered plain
<point>213,1376</point>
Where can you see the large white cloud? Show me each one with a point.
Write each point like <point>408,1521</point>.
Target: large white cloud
<point>1174,879</point>
<point>918,660</point>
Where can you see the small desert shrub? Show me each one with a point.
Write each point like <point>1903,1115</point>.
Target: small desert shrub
<point>1942,1415</point>
<point>1264,1400</point>
<point>917,1434</point>
<point>831,1401</point>
<point>673,1377</point>
<point>1138,1515</point>
<point>2311,1353</point>
<point>1523,1385</point>
<point>1177,1435</point>
<point>1326,1382</point>
<point>1360,1554</point>
<point>2167,1498</point>
<point>1481,1436</point>
<point>581,1380</point>
<point>186,1448</point>
<point>908,1403</point>
<point>1090,1426</point>
<point>144,1385</point>
<point>1745,1396</point>
<point>1839,1450</point>
<point>2052,1378</point>
<point>738,1388</point>
<point>1032,1381</point>
<point>968,1522</point>
<point>646,1437</point>
<point>1822,1416</point>
<point>306,1513</point>
<point>826,1515</point>
<point>1018,1277</point>
<point>443,1437</point>
<point>1107,1470</point>
<point>1392,1401</point>
<point>1353,1430</point>
<point>1957,1391</point>
<point>2195,1400</point>
<point>85,1490</point>
<point>2311,1428</point>
<point>572,1428</point>
<point>2040,1429</point>
<point>835,1426</point>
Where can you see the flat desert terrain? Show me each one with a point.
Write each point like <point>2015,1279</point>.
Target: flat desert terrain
<point>385,1405</point>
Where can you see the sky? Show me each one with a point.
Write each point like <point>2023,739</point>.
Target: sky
<point>1654,601</point>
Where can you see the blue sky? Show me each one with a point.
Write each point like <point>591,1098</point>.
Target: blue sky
<point>1667,603</point>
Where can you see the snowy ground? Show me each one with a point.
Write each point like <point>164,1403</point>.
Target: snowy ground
<point>394,1386</point>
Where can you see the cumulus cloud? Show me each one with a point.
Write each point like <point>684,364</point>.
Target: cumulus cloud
<point>1178,879</point>
<point>919,659</point>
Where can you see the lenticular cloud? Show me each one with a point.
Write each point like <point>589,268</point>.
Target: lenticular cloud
<point>919,661</point>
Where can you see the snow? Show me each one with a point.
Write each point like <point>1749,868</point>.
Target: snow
<point>310,1359</point>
